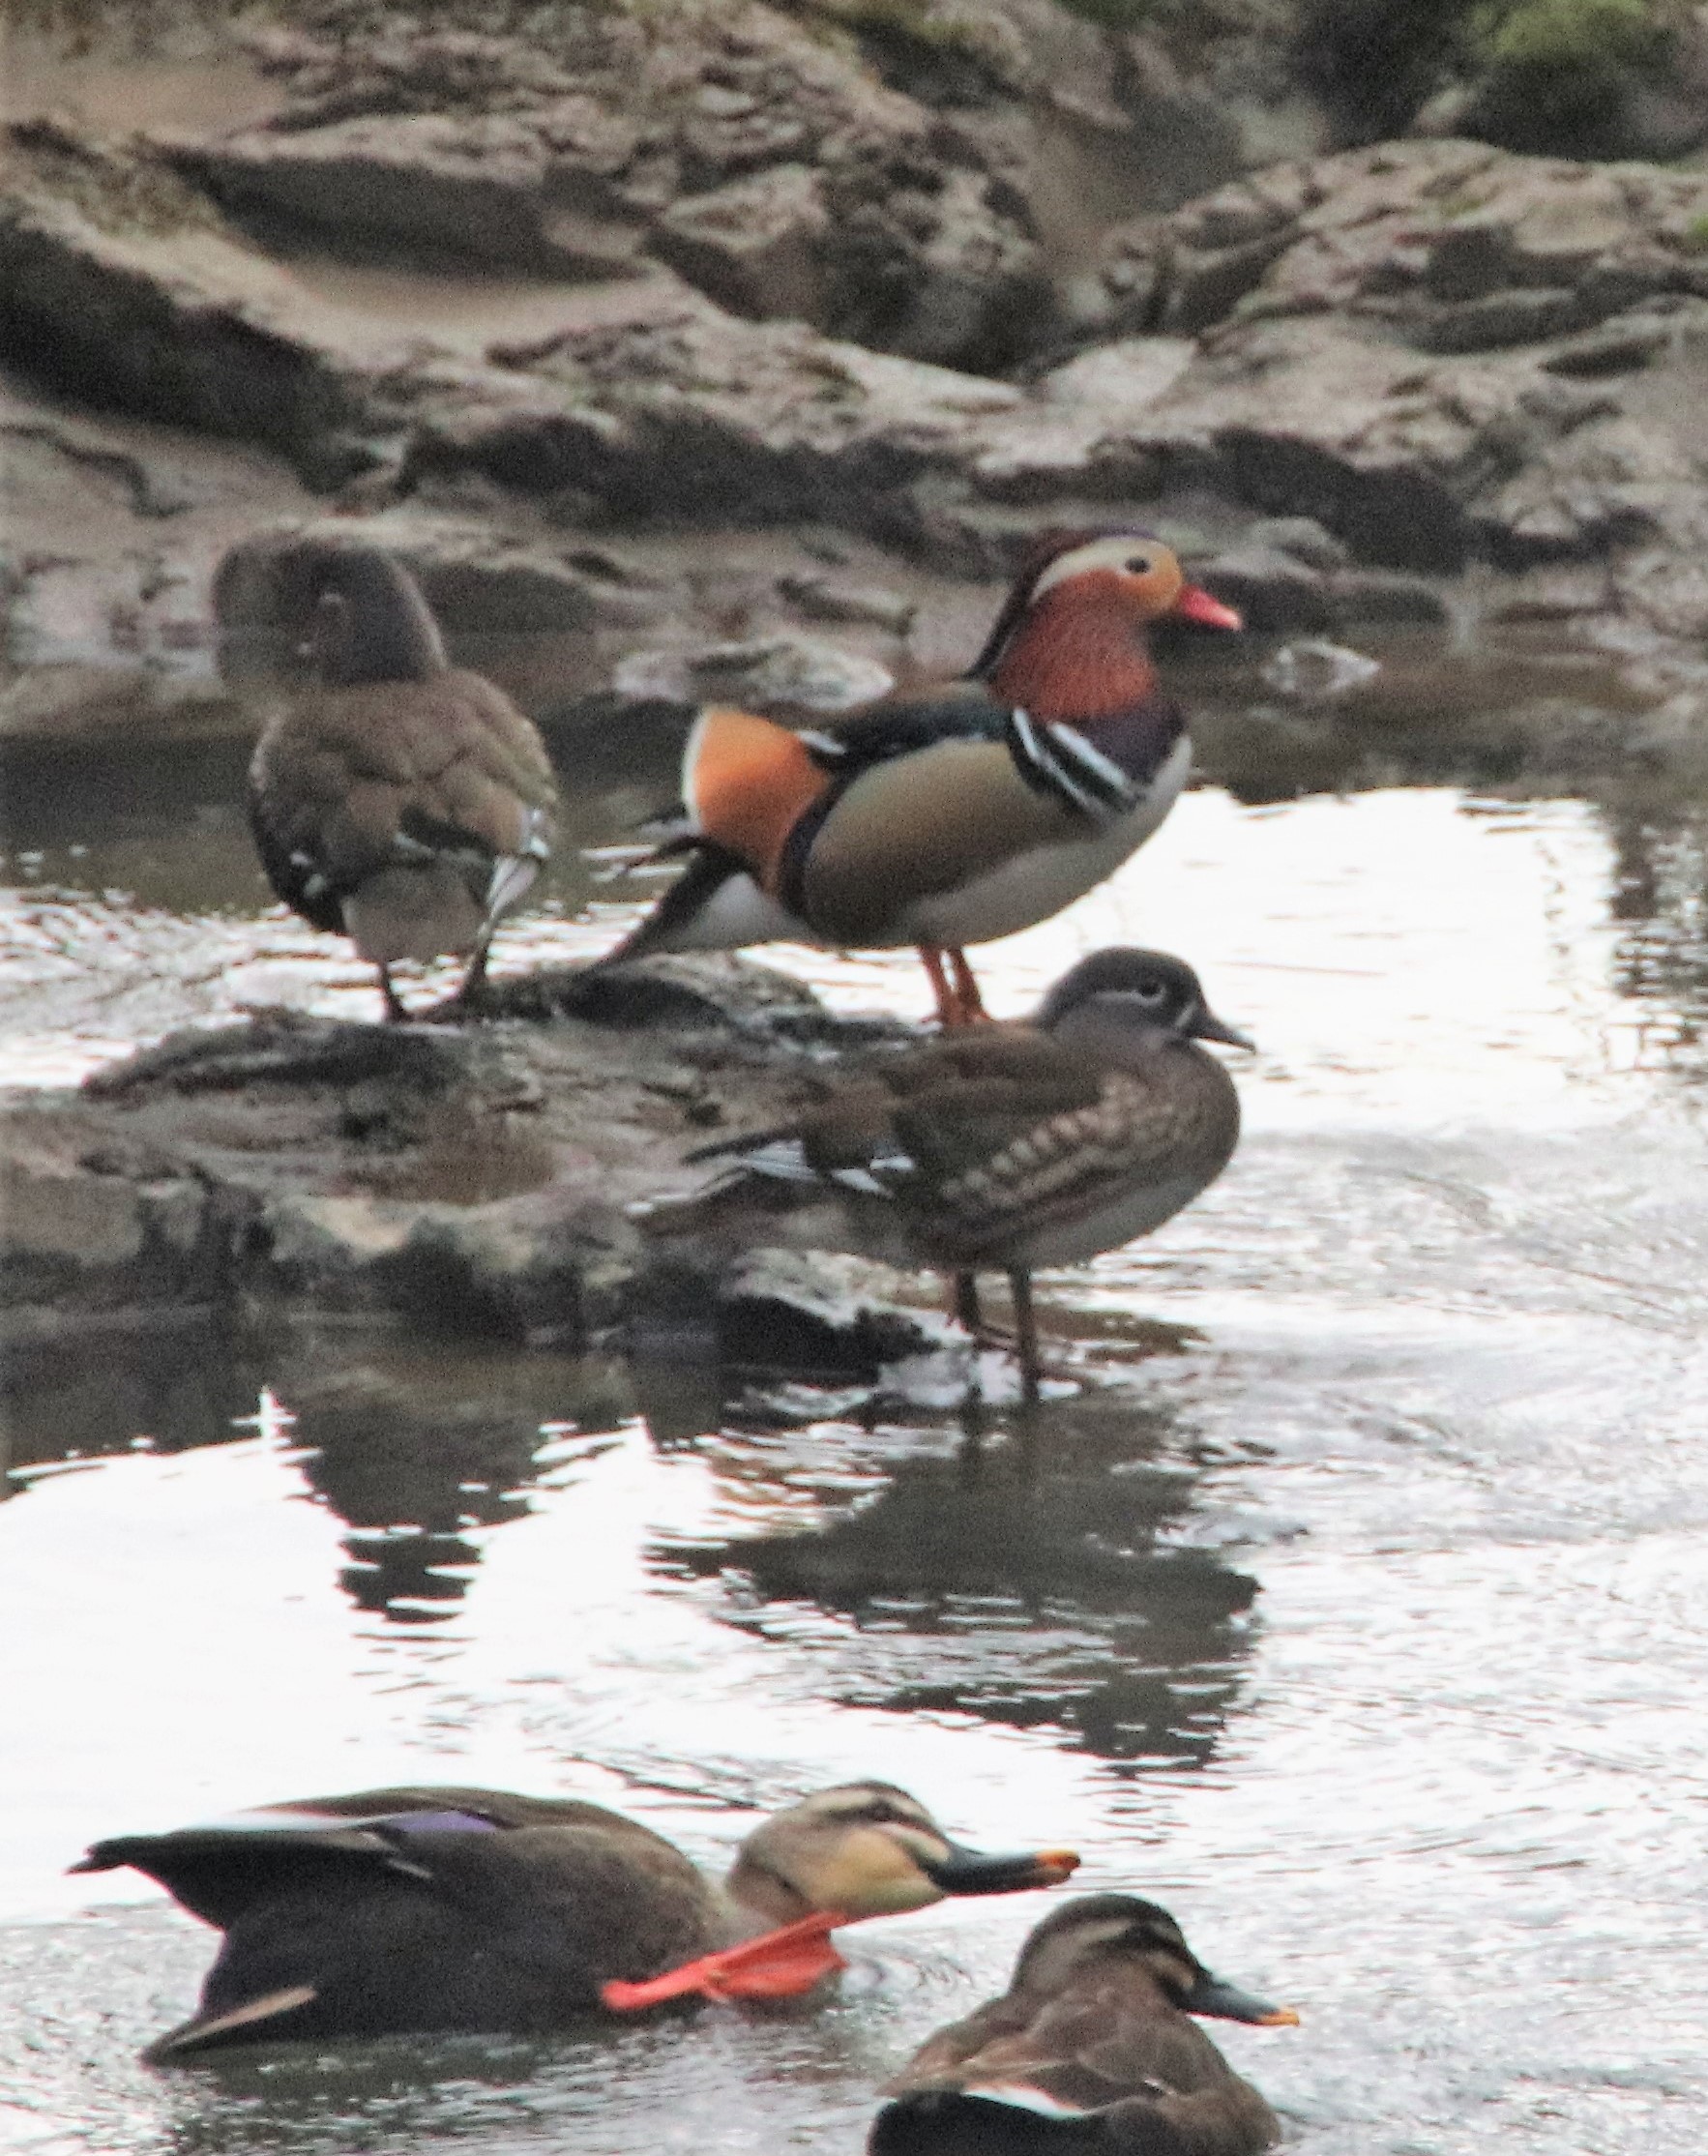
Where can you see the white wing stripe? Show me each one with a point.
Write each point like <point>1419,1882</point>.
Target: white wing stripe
<point>1094,764</point>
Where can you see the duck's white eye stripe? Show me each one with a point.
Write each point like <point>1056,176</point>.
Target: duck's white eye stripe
<point>1114,550</point>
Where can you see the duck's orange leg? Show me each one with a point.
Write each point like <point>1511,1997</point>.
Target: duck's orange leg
<point>948,1001</point>
<point>969,1004</point>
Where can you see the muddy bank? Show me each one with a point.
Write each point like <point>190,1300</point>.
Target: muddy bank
<point>470,1180</point>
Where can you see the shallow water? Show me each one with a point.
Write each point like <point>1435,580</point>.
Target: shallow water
<point>1350,1601</point>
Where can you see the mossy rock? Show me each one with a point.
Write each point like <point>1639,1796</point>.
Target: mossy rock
<point>1558,73</point>
<point>1564,77</point>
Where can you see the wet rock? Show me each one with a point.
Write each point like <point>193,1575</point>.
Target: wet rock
<point>90,1231</point>
<point>1274,591</point>
<point>1374,597</point>
<point>490,187</point>
<point>474,1179</point>
<point>121,284</point>
<point>755,246</point>
<point>1116,117</point>
<point>1383,367</point>
<point>700,413</point>
<point>535,1268</point>
<point>1450,245</point>
<point>1313,670</point>
<point>708,991</point>
<point>71,701</point>
<point>785,669</point>
<point>1302,537</point>
<point>836,599</point>
<point>487,590</point>
<point>1438,351</point>
<point>1616,349</point>
<point>768,165</point>
<point>811,1311</point>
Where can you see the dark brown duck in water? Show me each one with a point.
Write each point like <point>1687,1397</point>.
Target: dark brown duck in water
<point>1092,2048</point>
<point>398,800</point>
<point>463,1909</point>
<point>1000,1147</point>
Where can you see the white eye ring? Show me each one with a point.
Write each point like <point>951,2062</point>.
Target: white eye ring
<point>1150,991</point>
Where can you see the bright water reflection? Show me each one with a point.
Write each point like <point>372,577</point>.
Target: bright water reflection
<point>1354,1606</point>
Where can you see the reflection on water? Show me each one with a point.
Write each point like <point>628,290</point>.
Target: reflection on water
<point>1352,1606</point>
<point>1021,1587</point>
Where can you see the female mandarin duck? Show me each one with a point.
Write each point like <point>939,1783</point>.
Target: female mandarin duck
<point>461,1908</point>
<point>957,816</point>
<point>1009,1146</point>
<point>398,800</point>
<point>1091,2049</point>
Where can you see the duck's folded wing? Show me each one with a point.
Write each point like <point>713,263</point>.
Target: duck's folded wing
<point>1067,1160</point>
<point>902,725</point>
<point>970,1098</point>
<point>394,773</point>
<point>1051,756</point>
<point>935,1107</point>
<point>219,1869</point>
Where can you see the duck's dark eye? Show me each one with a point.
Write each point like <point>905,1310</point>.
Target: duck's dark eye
<point>1150,991</point>
<point>1139,566</point>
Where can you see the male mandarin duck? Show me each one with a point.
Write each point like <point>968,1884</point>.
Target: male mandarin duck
<point>396,799</point>
<point>1009,1146</point>
<point>954,815</point>
<point>1091,2049</point>
<point>463,1909</point>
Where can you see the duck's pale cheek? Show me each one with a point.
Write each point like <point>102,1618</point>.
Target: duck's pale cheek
<point>869,1876</point>
<point>894,1897</point>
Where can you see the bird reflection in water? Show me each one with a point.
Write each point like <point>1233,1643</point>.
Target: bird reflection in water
<point>1031,1585</point>
<point>420,1448</point>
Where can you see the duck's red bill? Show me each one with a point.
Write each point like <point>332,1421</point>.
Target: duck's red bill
<point>777,1965</point>
<point>1196,605</point>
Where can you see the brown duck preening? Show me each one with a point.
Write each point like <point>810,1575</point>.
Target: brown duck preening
<point>467,1908</point>
<point>1091,2051</point>
<point>396,799</point>
<point>953,814</point>
<point>1002,1147</point>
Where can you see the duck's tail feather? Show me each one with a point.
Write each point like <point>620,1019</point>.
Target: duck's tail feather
<point>706,874</point>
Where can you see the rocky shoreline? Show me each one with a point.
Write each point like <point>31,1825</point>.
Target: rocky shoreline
<point>739,350</point>
<point>1474,369</point>
<point>472,1181</point>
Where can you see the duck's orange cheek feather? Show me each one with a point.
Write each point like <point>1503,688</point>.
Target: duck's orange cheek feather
<point>748,781</point>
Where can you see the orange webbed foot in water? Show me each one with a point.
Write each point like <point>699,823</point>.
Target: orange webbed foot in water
<point>777,1965</point>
